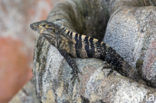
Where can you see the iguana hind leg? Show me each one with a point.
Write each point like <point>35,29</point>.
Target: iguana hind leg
<point>108,66</point>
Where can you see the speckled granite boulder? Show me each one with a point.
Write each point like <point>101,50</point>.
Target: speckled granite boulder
<point>131,31</point>
<point>52,73</point>
<point>53,81</point>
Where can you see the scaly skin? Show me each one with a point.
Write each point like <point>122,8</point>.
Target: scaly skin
<point>81,46</point>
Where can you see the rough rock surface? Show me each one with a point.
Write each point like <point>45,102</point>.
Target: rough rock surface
<point>53,81</point>
<point>113,5</point>
<point>131,31</point>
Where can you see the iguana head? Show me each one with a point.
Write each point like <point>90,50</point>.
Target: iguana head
<point>44,27</point>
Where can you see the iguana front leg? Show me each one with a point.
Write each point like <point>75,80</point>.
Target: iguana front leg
<point>54,41</point>
<point>72,64</point>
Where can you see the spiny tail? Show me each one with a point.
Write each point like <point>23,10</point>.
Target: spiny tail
<point>118,63</point>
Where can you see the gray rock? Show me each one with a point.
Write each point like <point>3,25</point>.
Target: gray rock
<point>53,81</point>
<point>87,17</point>
<point>52,74</point>
<point>131,31</point>
<point>113,5</point>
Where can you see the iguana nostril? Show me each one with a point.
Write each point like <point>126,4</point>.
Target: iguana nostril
<point>32,26</point>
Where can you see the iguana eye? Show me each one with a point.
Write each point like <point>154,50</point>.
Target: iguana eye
<point>44,25</point>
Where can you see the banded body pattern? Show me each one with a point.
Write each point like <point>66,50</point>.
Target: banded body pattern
<point>76,45</point>
<point>87,47</point>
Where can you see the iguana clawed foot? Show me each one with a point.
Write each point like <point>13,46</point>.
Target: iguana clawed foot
<point>75,75</point>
